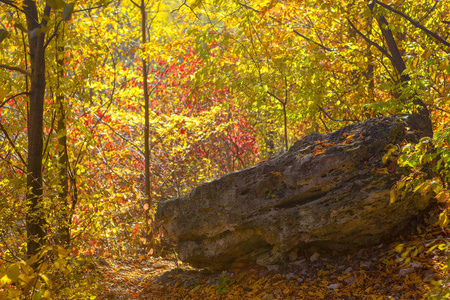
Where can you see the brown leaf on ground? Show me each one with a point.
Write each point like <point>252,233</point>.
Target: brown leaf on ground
<point>400,270</point>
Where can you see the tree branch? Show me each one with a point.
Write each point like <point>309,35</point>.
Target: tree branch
<point>88,9</point>
<point>415,23</point>
<point>53,35</point>
<point>17,69</point>
<point>293,30</point>
<point>381,49</point>
<point>10,3</point>
<point>137,5</point>
<point>12,144</point>
<point>273,95</point>
<point>431,10</point>
<point>12,97</point>
<point>333,119</point>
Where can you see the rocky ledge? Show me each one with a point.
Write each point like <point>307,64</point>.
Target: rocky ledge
<point>329,192</point>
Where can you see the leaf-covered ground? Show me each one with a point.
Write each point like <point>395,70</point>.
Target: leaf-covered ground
<point>410,269</point>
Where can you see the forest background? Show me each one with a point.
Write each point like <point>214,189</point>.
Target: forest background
<point>109,107</point>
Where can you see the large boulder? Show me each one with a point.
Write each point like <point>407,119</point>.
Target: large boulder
<point>329,192</point>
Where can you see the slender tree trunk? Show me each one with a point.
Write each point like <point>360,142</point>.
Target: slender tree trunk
<point>35,220</point>
<point>423,116</point>
<point>370,65</point>
<point>148,198</point>
<point>63,192</point>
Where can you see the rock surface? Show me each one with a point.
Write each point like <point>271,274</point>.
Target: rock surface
<point>328,192</point>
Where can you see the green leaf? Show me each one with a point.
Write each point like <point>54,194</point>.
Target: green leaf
<point>38,295</point>
<point>13,272</point>
<point>56,4</point>
<point>20,27</point>
<point>67,11</point>
<point>3,34</point>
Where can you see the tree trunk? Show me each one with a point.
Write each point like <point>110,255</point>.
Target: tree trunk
<point>35,220</point>
<point>148,199</point>
<point>63,192</point>
<point>423,116</point>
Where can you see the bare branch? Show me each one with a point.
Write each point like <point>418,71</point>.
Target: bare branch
<point>416,24</point>
<point>190,8</point>
<point>10,3</point>
<point>333,119</point>
<point>12,144</point>
<point>88,9</point>
<point>53,35</point>
<point>17,69</point>
<point>273,95</point>
<point>137,5</point>
<point>293,30</point>
<point>381,49</point>
<point>428,13</point>
<point>12,97</point>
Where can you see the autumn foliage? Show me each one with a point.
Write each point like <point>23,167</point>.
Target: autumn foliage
<point>230,83</point>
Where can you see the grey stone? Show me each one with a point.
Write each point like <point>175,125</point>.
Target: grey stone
<point>415,265</point>
<point>333,286</point>
<point>406,271</point>
<point>314,257</point>
<point>329,191</point>
<point>348,270</point>
<point>429,277</point>
<point>289,275</point>
<point>350,280</point>
<point>273,268</point>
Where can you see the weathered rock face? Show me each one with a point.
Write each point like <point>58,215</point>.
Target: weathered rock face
<point>328,191</point>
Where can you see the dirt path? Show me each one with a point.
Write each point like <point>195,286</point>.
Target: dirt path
<point>409,271</point>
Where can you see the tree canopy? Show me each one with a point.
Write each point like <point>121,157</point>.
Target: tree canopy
<point>109,107</point>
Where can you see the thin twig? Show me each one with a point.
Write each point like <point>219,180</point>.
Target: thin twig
<point>9,249</point>
<point>12,97</point>
<point>293,30</point>
<point>137,5</point>
<point>12,144</point>
<point>428,13</point>
<point>381,49</point>
<point>415,23</point>
<point>275,96</point>
<point>333,119</point>
<point>88,9</point>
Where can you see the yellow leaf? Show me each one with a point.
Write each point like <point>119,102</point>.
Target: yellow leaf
<point>62,251</point>
<point>399,248</point>
<point>443,219</point>
<point>388,154</point>
<point>13,272</point>
<point>441,196</point>
<point>392,196</point>
<point>3,93</point>
<point>5,280</point>
<point>46,279</point>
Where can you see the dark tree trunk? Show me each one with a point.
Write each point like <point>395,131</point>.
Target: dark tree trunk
<point>423,116</point>
<point>35,219</point>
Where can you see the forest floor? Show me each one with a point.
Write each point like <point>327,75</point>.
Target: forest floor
<point>411,269</point>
